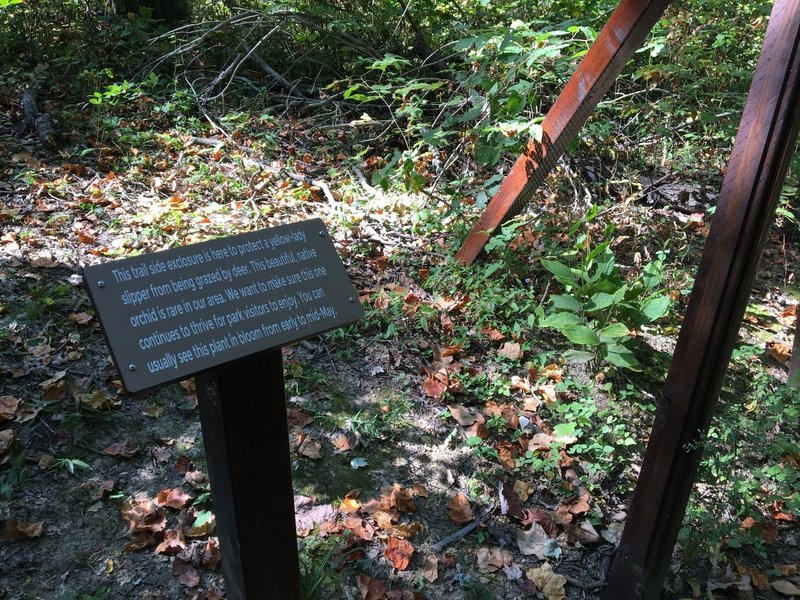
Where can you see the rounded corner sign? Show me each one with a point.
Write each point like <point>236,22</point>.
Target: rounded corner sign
<point>171,314</point>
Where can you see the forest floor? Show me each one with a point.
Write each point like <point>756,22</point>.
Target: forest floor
<point>104,494</point>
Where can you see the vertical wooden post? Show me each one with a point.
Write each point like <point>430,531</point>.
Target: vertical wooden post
<point>745,210</point>
<point>621,36</point>
<point>243,416</point>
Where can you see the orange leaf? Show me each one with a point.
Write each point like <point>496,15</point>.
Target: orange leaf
<point>434,388</point>
<point>459,509</point>
<point>175,498</point>
<point>172,544</point>
<point>399,553</point>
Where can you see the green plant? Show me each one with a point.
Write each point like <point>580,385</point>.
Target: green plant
<point>71,464</point>
<point>320,560</point>
<point>599,307</point>
<point>13,477</point>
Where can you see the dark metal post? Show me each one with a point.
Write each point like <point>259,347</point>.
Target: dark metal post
<point>245,433</point>
<point>750,189</point>
<point>622,35</point>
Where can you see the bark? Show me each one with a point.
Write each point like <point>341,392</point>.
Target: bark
<point>794,362</point>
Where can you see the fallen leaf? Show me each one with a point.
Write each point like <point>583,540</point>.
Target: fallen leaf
<point>342,442</point>
<point>787,588</point>
<point>399,497</point>
<point>433,387</point>
<point>613,534</point>
<point>405,530</point>
<point>143,516</point>
<point>174,498</point>
<point>545,518</point>
<point>17,530</point>
<point>786,569</point>
<point>6,439</point>
<point>310,448</point>
<point>139,541</point>
<point>532,541</point>
<point>513,572</point>
<point>370,588</point>
<point>104,489</point>
<point>430,570</point>
<point>8,408</point>
<point>780,352</point>
<point>523,490</point>
<point>183,465</point>
<point>579,505</point>
<point>359,527</point>
<point>493,334</point>
<point>463,415</point>
<point>399,553</point>
<point>511,350</point>
<point>727,580</point>
<point>459,509</point>
<point>350,506</point>
<point>81,318</point>
<point>760,580</point>
<point>185,573</point>
<point>211,554</point>
<point>172,544</point>
<point>490,560</point>
<point>585,533</point>
<point>510,503</point>
<point>298,417</point>
<point>549,583</point>
<point>123,449</point>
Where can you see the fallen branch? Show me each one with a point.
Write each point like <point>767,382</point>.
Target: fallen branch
<point>264,166</point>
<point>291,88</point>
<point>439,546</point>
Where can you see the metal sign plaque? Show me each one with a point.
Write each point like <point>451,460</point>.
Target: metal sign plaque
<point>171,314</point>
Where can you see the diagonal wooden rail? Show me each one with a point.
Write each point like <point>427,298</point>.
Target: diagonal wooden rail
<point>746,207</point>
<point>620,37</point>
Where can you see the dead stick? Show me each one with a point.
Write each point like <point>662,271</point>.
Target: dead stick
<point>439,546</point>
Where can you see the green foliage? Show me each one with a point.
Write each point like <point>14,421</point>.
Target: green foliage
<point>750,469</point>
<point>599,307</point>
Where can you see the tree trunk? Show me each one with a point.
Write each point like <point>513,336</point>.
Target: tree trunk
<point>170,12</point>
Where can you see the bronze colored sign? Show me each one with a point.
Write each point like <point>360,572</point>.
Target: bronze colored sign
<point>171,314</point>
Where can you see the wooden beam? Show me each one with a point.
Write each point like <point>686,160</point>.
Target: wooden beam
<point>246,437</point>
<point>622,35</point>
<point>745,210</point>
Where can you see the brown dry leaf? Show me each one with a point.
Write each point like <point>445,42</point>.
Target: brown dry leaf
<point>8,407</point>
<point>141,515</point>
<point>399,497</point>
<point>532,541</point>
<point>493,334</point>
<point>185,573</point>
<point>780,352</point>
<point>787,588</point>
<point>152,410</point>
<point>139,541</point>
<point>760,580</point>
<point>399,553</point>
<point>523,489</point>
<point>511,350</point>
<point>419,490</point>
<point>123,449</point>
<point>451,350</point>
<point>370,588</point>
<point>6,439</point>
<point>54,388</point>
<point>549,583</point>
<point>553,372</point>
<point>342,442</point>
<point>430,569</point>
<point>463,415</point>
<point>195,478</point>
<point>531,403</point>
<point>521,384</point>
<point>493,559</point>
<point>585,533</point>
<point>81,318</point>
<point>579,505</point>
<point>97,400</point>
<point>546,518</point>
<point>548,393</point>
<point>17,530</point>
<point>433,387</point>
<point>405,530</point>
<point>786,570</point>
<point>310,448</point>
<point>359,527</point>
<point>172,544</point>
<point>205,529</point>
<point>510,502</point>
<point>174,498</point>
<point>211,555</point>
<point>298,418</point>
<point>104,489</point>
<point>459,509</point>
<point>386,518</point>
<point>350,506</point>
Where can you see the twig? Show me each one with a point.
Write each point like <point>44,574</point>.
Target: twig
<point>291,88</point>
<point>585,585</point>
<point>439,546</point>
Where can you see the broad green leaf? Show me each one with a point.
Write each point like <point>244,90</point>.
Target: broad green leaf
<point>566,303</point>
<point>562,272</point>
<point>655,307</point>
<point>561,320</point>
<point>578,356</point>
<point>580,334</point>
<point>615,330</point>
<point>620,356</point>
<point>601,301</point>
